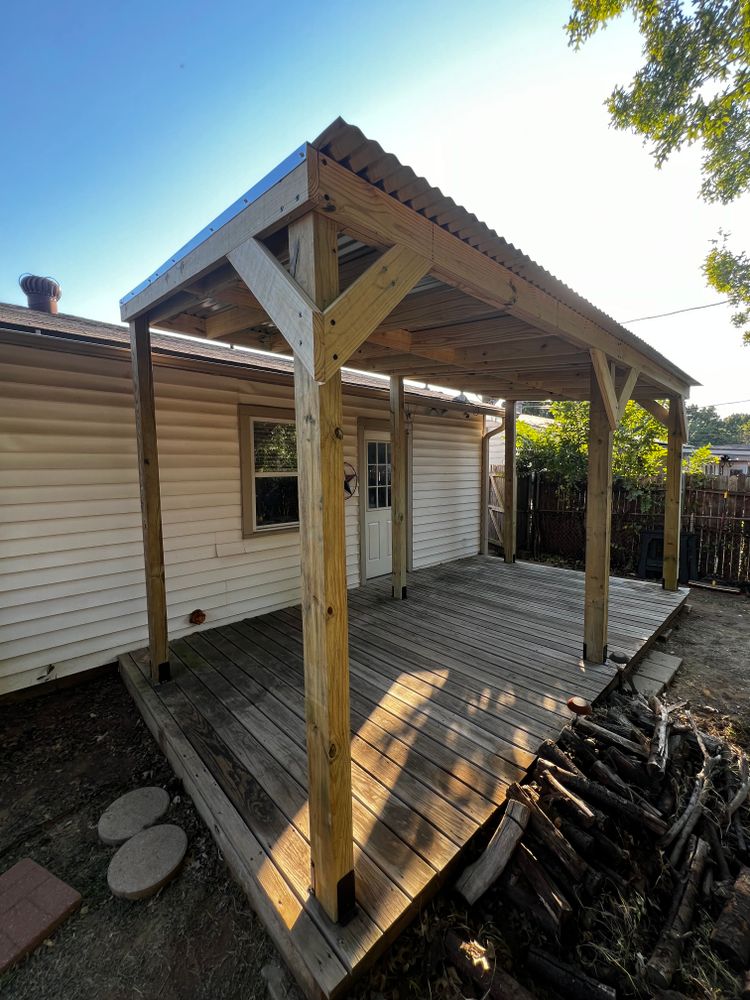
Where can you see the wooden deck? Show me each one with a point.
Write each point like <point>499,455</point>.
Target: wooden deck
<point>452,692</point>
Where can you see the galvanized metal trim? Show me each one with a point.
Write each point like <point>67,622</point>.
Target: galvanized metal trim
<point>264,185</point>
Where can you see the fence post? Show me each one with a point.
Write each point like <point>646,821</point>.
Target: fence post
<point>673,498</point>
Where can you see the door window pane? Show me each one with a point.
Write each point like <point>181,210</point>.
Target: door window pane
<point>378,475</point>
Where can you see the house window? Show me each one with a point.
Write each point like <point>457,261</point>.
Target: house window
<point>268,454</point>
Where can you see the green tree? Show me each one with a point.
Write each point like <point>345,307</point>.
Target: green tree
<point>704,424</point>
<point>707,427</point>
<point>693,87</point>
<point>737,428</point>
<point>561,448</point>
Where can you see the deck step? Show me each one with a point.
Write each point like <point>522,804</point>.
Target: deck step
<point>655,672</point>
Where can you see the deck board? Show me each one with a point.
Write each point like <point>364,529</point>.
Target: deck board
<point>452,693</point>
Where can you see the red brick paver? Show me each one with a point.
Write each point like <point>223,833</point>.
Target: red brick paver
<point>33,902</point>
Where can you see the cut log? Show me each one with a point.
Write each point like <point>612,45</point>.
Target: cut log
<point>666,956</point>
<point>742,792</point>
<point>594,843</point>
<point>610,800</point>
<point>567,979</point>
<point>657,760</point>
<point>739,834</point>
<point>584,814</point>
<point>548,894</point>
<point>472,960</point>
<point>549,750</point>
<point>630,771</point>
<point>546,832</point>
<point>516,890</point>
<point>730,937</point>
<point>713,837</point>
<point>607,736</point>
<point>683,827</point>
<point>477,878</point>
<point>585,752</point>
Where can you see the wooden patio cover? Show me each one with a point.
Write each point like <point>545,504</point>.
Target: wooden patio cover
<point>342,255</point>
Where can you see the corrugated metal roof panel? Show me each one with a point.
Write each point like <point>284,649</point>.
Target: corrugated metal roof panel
<point>348,145</point>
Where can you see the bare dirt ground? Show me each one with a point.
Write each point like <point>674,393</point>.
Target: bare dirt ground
<point>713,638</point>
<point>66,755</point>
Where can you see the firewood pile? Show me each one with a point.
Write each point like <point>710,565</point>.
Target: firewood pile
<point>625,854</point>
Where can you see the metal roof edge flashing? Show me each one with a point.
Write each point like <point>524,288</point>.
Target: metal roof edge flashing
<point>273,177</point>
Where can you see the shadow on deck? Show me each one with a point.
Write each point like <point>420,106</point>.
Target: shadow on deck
<point>452,693</point>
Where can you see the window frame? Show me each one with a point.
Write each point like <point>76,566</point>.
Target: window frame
<point>247,416</point>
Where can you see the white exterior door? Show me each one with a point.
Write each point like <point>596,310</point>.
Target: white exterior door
<point>377,533</point>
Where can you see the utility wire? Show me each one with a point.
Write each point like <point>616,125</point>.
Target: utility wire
<point>731,402</point>
<point>676,312</point>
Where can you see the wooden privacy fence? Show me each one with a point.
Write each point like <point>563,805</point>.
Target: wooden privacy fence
<point>551,520</point>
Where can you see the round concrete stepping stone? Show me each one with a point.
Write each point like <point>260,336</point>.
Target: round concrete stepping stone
<point>147,861</point>
<point>132,813</point>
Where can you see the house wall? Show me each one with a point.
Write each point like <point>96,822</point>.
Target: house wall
<point>71,559</point>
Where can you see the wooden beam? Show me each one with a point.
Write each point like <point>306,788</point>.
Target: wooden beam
<point>320,462</point>
<point>398,489</point>
<point>623,397</point>
<point>605,380</point>
<point>289,198</point>
<point>484,495</point>
<point>679,403</point>
<point>673,498</point>
<point>598,529</point>
<point>377,219</point>
<point>353,316</point>
<point>510,484</point>
<point>148,469</point>
<point>290,309</point>
<point>232,321</point>
<point>659,412</point>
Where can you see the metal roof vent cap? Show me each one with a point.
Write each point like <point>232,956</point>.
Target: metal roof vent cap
<point>43,294</point>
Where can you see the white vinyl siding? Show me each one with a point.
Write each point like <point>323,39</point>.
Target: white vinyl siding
<point>71,560</point>
<point>446,470</point>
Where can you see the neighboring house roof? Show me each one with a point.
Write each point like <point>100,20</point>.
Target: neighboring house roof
<point>71,330</point>
<point>735,452</point>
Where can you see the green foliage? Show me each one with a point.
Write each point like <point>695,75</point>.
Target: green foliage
<point>693,87</point>
<point>729,273</point>
<point>561,448</point>
<point>698,459</point>
<point>707,427</point>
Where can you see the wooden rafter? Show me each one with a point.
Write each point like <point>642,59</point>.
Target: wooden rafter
<point>623,397</point>
<point>606,385</point>
<point>358,310</point>
<point>326,338</point>
<point>291,310</point>
<point>373,217</point>
<point>659,412</point>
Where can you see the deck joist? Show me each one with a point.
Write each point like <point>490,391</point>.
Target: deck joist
<point>452,693</point>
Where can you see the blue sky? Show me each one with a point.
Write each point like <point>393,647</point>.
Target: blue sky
<point>129,126</point>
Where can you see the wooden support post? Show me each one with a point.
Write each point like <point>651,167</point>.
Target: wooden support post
<point>510,492</point>
<point>320,465</point>
<point>398,489</point>
<point>598,529</point>
<point>148,469</point>
<point>673,498</point>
